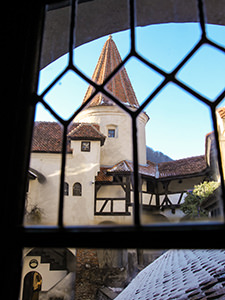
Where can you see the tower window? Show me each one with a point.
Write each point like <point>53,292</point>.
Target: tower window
<point>111,133</point>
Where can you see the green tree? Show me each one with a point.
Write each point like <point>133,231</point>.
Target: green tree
<point>193,200</point>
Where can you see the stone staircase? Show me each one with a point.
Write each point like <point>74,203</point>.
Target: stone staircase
<point>56,258</point>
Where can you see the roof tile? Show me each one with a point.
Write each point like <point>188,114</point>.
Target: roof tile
<point>47,136</point>
<point>86,131</point>
<point>102,176</point>
<point>181,167</point>
<point>185,166</point>
<point>119,86</point>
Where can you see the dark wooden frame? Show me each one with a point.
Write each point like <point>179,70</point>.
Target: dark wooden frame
<point>126,187</point>
<point>22,38</point>
<point>89,146</point>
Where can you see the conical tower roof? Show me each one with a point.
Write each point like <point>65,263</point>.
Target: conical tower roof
<point>120,85</point>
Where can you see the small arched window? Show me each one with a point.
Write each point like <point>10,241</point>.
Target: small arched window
<point>77,189</point>
<point>66,189</point>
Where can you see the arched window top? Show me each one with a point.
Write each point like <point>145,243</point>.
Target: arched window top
<point>66,189</point>
<point>77,189</point>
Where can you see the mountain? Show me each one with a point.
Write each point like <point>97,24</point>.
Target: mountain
<point>156,156</point>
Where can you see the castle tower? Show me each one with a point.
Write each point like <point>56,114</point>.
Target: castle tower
<point>114,122</point>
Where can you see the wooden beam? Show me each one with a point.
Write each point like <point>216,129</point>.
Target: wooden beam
<point>119,213</point>
<point>127,192</point>
<point>150,201</point>
<point>111,198</point>
<point>104,205</point>
<point>180,198</point>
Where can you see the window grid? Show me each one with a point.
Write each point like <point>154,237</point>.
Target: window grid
<point>111,133</point>
<point>168,78</point>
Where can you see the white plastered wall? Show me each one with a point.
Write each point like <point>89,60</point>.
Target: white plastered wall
<point>118,148</point>
<point>81,167</point>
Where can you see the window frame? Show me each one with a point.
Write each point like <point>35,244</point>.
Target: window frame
<point>131,234</point>
<point>111,127</point>
<point>77,189</point>
<point>89,146</point>
<point>27,20</point>
<point>111,133</point>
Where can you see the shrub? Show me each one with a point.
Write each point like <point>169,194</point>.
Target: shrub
<point>193,200</point>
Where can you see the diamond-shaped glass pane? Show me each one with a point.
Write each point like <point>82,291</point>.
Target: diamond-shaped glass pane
<point>205,71</point>
<point>216,33</point>
<point>67,94</point>
<point>179,164</point>
<point>166,32</point>
<point>167,44</point>
<point>50,72</point>
<point>174,117</point>
<point>134,83</point>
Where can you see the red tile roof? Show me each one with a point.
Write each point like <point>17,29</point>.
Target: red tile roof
<point>102,176</point>
<point>47,136</point>
<point>185,166</point>
<point>120,85</point>
<point>123,166</point>
<point>176,168</point>
<point>86,131</point>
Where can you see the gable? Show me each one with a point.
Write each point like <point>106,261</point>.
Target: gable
<point>47,136</point>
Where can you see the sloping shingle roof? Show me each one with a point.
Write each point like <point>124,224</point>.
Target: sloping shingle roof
<point>47,136</point>
<point>180,274</point>
<point>120,85</point>
<point>102,176</point>
<point>86,131</point>
<point>185,166</point>
<point>181,167</point>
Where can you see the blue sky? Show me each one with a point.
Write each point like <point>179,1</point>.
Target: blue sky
<point>178,122</point>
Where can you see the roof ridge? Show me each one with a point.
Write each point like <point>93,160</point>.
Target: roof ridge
<point>111,169</point>
<point>196,164</point>
<point>74,129</point>
<point>181,159</point>
<point>80,124</point>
